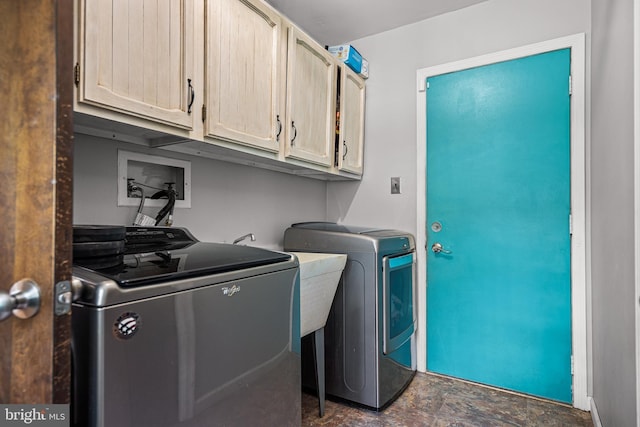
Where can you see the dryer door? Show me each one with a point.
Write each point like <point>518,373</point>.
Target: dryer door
<point>399,308</point>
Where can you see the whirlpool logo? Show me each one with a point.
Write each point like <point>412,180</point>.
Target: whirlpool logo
<point>230,291</point>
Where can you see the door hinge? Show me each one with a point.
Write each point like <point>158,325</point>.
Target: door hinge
<point>570,85</point>
<point>572,364</point>
<point>424,84</point>
<point>570,225</point>
<point>76,74</point>
<point>204,113</point>
<point>63,298</point>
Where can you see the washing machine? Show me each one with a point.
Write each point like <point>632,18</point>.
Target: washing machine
<point>370,349</point>
<point>174,332</point>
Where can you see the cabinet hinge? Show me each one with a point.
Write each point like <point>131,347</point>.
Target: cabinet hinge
<point>76,74</point>
<point>204,113</point>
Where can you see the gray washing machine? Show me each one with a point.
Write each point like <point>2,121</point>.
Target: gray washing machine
<point>175,332</point>
<point>370,351</point>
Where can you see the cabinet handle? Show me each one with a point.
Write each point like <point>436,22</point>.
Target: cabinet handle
<point>346,149</point>
<point>191,96</point>
<point>295,132</point>
<point>279,128</point>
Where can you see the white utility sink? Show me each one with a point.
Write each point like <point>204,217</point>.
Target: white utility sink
<point>319,278</point>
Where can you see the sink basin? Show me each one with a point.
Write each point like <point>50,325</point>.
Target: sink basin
<point>319,278</point>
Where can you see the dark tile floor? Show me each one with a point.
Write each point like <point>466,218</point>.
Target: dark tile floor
<point>432,400</point>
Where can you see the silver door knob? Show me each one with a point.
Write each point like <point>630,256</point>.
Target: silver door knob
<point>438,249</point>
<point>23,300</point>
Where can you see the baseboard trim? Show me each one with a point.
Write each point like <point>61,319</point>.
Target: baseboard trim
<point>594,413</point>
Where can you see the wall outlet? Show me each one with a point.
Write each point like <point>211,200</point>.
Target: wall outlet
<point>395,185</point>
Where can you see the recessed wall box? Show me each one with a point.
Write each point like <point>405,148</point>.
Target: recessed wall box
<point>152,173</point>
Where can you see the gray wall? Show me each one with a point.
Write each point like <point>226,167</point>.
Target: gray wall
<point>612,209</point>
<point>395,56</point>
<point>227,200</point>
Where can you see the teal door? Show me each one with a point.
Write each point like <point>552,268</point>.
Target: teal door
<point>498,206</point>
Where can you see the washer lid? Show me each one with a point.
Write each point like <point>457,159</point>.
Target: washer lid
<point>180,262</point>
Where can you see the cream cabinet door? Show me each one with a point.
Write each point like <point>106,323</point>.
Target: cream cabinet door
<point>137,58</point>
<point>311,100</point>
<point>350,149</point>
<point>244,73</point>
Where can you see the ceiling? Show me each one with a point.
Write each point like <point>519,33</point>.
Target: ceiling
<point>332,22</point>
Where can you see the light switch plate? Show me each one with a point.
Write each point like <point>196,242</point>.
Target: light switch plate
<point>395,185</point>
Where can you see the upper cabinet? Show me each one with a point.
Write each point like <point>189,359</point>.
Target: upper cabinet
<point>227,79</point>
<point>136,57</point>
<point>244,73</point>
<point>351,127</point>
<point>311,100</point>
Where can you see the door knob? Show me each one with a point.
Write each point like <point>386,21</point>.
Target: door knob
<point>438,249</point>
<point>23,300</point>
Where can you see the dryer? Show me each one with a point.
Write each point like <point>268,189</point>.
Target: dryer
<point>370,351</point>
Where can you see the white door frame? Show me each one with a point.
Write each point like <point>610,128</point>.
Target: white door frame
<point>581,322</point>
<point>636,181</point>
